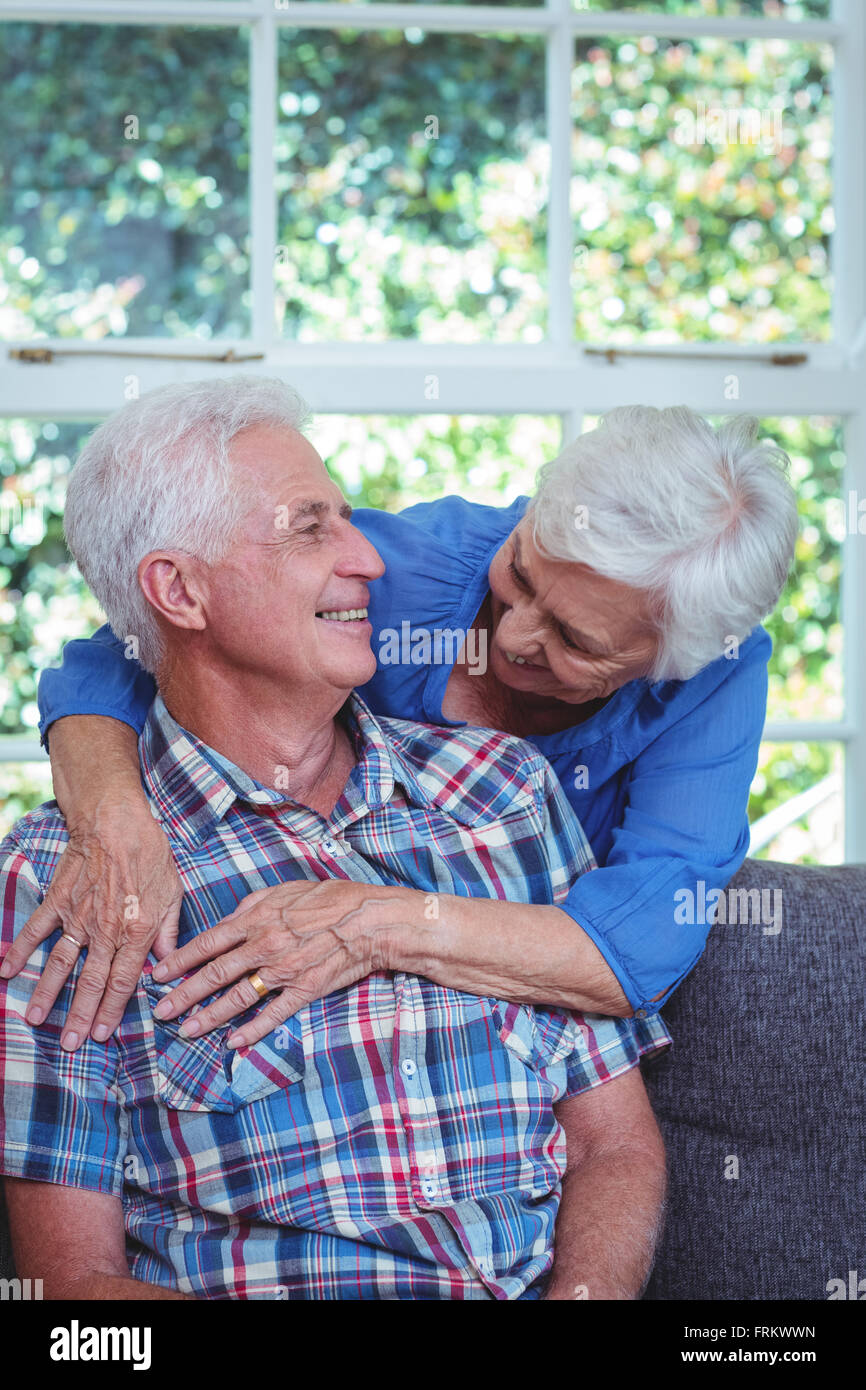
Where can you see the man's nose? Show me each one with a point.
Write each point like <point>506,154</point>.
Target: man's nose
<point>359,556</point>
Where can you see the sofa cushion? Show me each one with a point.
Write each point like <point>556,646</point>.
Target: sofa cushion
<point>761,1098</point>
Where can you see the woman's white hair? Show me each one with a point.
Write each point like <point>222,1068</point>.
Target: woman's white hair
<point>702,520</point>
<point>156,476</point>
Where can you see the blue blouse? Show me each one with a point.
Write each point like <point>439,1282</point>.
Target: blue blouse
<point>659,776</point>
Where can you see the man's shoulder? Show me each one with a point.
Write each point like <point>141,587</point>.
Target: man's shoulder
<point>473,773</point>
<point>40,837</point>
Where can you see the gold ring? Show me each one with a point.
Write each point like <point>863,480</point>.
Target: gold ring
<point>258,984</point>
<point>80,944</point>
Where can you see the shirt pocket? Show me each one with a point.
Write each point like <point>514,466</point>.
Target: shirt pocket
<point>540,1037</point>
<point>203,1074</point>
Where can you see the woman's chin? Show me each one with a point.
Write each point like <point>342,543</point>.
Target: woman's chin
<point>533,683</point>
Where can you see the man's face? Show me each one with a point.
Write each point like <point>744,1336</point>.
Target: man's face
<point>580,636</point>
<point>295,559</point>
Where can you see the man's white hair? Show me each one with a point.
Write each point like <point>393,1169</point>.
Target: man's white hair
<point>155,476</point>
<point>703,520</point>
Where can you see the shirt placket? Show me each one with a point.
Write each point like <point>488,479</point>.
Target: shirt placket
<point>423,1128</point>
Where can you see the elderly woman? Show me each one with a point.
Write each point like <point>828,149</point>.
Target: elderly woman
<point>612,620</point>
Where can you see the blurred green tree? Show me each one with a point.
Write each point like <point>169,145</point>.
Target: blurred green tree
<point>124,211</point>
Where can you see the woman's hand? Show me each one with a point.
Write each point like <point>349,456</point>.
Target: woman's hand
<point>117,892</point>
<point>304,939</point>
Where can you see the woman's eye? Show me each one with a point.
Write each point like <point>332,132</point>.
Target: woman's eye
<point>567,642</point>
<point>516,576</point>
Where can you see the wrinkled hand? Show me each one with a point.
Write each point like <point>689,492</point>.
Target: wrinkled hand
<point>117,891</point>
<point>304,939</point>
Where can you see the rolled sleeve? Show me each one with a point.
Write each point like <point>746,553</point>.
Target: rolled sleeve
<point>95,677</point>
<point>60,1120</point>
<point>685,831</point>
<point>611,1046</point>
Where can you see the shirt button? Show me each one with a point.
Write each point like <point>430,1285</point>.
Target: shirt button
<point>329,846</point>
<point>640,1013</point>
<point>429,1188</point>
<point>408,1067</point>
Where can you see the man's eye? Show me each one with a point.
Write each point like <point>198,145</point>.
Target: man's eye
<point>567,642</point>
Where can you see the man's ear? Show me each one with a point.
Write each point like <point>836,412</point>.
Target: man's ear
<point>174,585</point>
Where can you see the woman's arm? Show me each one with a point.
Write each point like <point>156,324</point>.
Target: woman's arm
<point>306,939</point>
<point>98,675</point>
<point>532,955</point>
<point>116,888</point>
<point>683,834</point>
<point>616,945</point>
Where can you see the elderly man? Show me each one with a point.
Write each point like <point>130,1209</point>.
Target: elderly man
<point>396,1139</point>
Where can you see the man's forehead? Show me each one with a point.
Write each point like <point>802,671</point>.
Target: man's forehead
<point>261,449</point>
<point>283,466</point>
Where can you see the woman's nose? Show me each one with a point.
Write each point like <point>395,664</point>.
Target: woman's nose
<point>520,627</point>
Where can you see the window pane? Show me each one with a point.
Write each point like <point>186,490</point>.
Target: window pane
<point>760,9</point>
<point>43,599</point>
<point>412,181</point>
<point>806,665</point>
<point>123,204</point>
<point>394,461</point>
<point>799,788</point>
<point>701,193</point>
<point>23,786</point>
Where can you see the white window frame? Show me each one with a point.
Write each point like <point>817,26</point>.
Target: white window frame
<point>556,376</point>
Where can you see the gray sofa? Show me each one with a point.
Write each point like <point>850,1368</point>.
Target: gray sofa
<point>761,1100</point>
<point>768,1067</point>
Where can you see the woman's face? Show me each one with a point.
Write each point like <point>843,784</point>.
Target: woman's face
<point>580,636</point>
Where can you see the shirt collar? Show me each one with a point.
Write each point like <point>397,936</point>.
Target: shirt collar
<point>193,787</point>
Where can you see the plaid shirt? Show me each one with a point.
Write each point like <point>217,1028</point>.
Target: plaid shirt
<point>394,1140</point>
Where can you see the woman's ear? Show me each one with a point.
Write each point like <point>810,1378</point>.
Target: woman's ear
<point>174,585</point>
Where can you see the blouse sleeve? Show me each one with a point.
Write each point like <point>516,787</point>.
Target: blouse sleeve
<point>95,677</point>
<point>684,833</point>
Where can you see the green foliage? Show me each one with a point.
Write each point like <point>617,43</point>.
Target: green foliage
<point>806,670</point>
<point>412,185</point>
<point>412,182</point>
<point>389,228</point>
<point>784,770</point>
<point>103,233</point>
<point>391,462</point>
<point>701,190</point>
<point>43,600</point>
